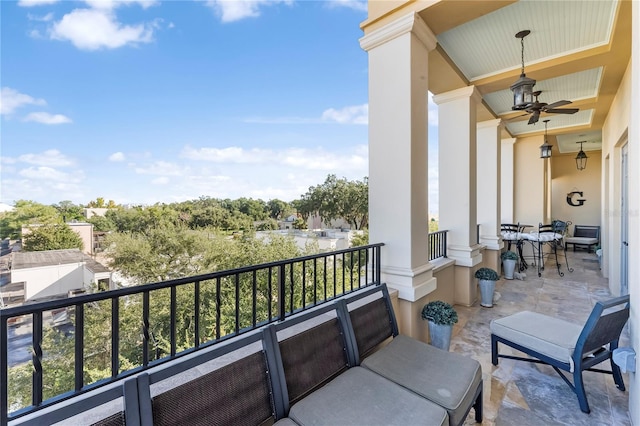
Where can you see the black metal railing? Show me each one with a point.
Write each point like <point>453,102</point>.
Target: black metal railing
<point>437,244</point>
<point>170,319</point>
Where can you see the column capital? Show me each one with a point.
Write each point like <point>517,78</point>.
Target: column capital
<point>508,141</point>
<point>462,93</point>
<point>411,22</point>
<point>490,123</point>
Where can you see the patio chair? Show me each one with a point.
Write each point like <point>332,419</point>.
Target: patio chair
<point>564,345</point>
<point>551,235</point>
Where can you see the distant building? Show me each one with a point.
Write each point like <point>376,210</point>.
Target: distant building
<point>327,239</point>
<point>57,273</point>
<point>83,229</point>
<point>94,211</point>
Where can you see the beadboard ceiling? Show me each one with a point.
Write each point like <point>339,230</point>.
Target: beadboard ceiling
<point>577,51</point>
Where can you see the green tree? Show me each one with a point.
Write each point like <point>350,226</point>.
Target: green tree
<point>102,223</point>
<point>278,209</point>
<point>69,211</point>
<point>51,237</point>
<point>336,199</point>
<point>26,213</point>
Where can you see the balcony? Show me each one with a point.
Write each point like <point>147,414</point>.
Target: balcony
<point>532,394</point>
<point>514,392</point>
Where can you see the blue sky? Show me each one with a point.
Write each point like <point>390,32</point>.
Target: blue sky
<point>160,101</point>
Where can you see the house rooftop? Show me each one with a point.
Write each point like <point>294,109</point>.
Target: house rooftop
<point>34,259</point>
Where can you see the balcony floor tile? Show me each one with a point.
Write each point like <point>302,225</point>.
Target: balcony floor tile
<point>523,393</point>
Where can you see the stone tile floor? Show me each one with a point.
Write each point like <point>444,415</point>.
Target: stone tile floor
<point>522,393</point>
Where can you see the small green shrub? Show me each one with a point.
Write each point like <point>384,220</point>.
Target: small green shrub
<point>487,274</point>
<point>440,313</point>
<point>509,255</point>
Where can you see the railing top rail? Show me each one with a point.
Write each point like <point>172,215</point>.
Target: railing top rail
<point>95,297</point>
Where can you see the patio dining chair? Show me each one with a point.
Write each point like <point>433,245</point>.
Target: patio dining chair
<point>549,235</point>
<point>563,345</point>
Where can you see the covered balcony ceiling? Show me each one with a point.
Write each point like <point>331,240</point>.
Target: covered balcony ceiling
<point>576,51</point>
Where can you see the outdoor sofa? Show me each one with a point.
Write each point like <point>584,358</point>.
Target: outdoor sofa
<point>338,363</point>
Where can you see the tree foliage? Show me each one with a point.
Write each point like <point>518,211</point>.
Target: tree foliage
<point>51,237</point>
<point>336,199</point>
<point>26,213</point>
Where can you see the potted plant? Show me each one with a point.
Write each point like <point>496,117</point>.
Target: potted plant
<point>509,260</point>
<point>487,278</point>
<point>440,316</point>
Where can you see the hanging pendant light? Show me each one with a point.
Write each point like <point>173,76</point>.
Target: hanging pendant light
<point>545,148</point>
<point>581,158</point>
<point>523,88</point>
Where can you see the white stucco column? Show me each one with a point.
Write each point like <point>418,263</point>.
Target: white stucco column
<point>488,190</point>
<point>398,211</point>
<point>457,185</point>
<point>488,182</point>
<point>634,216</point>
<point>506,180</point>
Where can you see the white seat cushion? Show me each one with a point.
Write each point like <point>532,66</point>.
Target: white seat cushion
<point>544,236</point>
<point>547,335</point>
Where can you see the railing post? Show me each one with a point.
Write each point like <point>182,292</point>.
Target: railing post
<point>281,292</point>
<point>145,328</point>
<point>36,336</point>
<point>115,336</point>
<point>79,347</point>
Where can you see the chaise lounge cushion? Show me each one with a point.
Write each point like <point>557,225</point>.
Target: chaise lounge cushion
<point>547,335</point>
<point>359,396</point>
<point>445,378</point>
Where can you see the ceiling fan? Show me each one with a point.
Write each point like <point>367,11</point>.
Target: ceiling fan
<point>523,93</point>
<point>537,107</point>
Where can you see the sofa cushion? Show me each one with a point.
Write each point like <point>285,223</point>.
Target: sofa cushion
<point>547,335</point>
<point>445,378</point>
<point>358,397</point>
<point>581,240</point>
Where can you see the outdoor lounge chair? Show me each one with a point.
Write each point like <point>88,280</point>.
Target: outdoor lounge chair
<point>564,345</point>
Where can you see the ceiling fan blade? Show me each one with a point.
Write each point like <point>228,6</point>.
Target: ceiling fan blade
<point>563,111</point>
<point>557,104</point>
<point>534,118</point>
<point>517,116</point>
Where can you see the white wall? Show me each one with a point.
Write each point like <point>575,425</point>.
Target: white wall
<point>47,281</point>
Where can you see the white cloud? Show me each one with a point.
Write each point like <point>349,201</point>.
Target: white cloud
<point>50,174</point>
<point>46,18</point>
<point>49,158</point>
<point>11,99</point>
<point>46,118</point>
<point>93,29</point>
<point>163,180</point>
<point>303,158</point>
<point>359,5</point>
<point>358,114</point>
<point>117,156</point>
<point>231,11</point>
<point>162,168</point>
<point>112,4</point>
<point>231,154</point>
<point>31,3</point>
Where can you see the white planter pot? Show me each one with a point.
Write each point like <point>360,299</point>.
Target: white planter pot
<point>440,335</point>
<point>487,287</point>
<point>509,267</point>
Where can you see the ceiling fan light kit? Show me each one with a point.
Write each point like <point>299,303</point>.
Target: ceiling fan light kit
<point>523,88</point>
<point>525,98</point>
